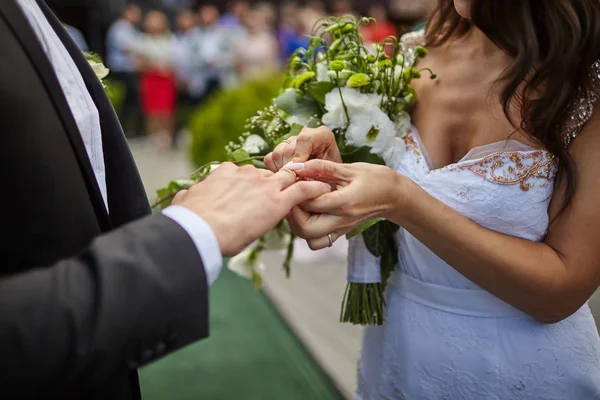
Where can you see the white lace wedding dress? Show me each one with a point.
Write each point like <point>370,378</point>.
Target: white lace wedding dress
<point>446,338</point>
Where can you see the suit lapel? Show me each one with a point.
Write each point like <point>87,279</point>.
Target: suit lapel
<point>18,22</point>
<point>126,195</point>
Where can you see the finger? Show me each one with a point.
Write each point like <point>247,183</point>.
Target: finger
<point>289,151</point>
<point>329,203</point>
<point>284,178</point>
<point>268,160</point>
<point>302,191</point>
<point>279,155</point>
<point>322,170</point>
<point>265,173</point>
<point>304,148</point>
<point>314,226</point>
<point>323,242</point>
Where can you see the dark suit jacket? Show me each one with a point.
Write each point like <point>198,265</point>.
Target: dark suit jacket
<point>86,296</point>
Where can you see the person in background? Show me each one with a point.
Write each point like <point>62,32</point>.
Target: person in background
<point>318,6</point>
<point>122,64</point>
<point>156,54</point>
<point>77,37</point>
<point>235,31</point>
<point>377,33</point>
<point>216,54</point>
<point>292,32</point>
<point>343,7</point>
<point>190,66</point>
<point>234,16</point>
<point>257,53</point>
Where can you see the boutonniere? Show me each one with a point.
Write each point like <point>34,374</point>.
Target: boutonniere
<point>98,66</point>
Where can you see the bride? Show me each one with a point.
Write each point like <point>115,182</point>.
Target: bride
<point>497,195</point>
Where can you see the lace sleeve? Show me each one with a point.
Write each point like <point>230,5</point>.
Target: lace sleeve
<point>408,42</point>
<point>583,108</point>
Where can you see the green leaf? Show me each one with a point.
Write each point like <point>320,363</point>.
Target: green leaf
<point>296,129</point>
<point>163,192</point>
<point>92,57</point>
<point>389,259</point>
<point>360,229</point>
<point>241,155</point>
<point>259,164</point>
<point>352,154</point>
<point>377,237</point>
<point>294,103</point>
<point>318,90</point>
<point>182,184</point>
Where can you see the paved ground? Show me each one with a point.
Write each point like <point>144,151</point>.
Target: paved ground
<point>310,302</point>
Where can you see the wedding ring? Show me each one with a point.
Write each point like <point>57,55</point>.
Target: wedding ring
<point>330,240</point>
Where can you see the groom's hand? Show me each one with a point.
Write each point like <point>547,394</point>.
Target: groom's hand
<point>242,204</point>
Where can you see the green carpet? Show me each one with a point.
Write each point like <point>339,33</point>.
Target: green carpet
<point>251,354</point>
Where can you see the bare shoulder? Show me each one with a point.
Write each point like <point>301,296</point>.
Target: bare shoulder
<point>585,148</point>
<point>583,210</point>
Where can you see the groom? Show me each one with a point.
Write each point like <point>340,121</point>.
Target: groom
<point>91,286</point>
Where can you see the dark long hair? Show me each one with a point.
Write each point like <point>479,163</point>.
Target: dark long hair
<point>553,44</point>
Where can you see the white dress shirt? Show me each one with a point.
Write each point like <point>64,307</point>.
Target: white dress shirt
<point>87,118</point>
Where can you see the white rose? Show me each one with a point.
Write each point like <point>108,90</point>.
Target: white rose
<point>254,144</point>
<point>99,69</point>
<point>372,128</point>
<point>356,103</point>
<point>243,266</point>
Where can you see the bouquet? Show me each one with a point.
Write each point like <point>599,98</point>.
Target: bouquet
<point>364,95</point>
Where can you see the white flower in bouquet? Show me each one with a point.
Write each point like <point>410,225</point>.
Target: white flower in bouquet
<point>276,240</point>
<point>372,128</point>
<point>297,119</point>
<point>322,69</point>
<point>255,144</point>
<point>403,124</point>
<point>356,103</point>
<point>247,263</point>
<point>99,69</point>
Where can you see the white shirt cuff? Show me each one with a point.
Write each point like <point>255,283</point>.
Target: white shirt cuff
<point>203,237</point>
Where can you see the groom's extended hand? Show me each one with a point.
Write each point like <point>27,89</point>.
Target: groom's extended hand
<point>242,204</point>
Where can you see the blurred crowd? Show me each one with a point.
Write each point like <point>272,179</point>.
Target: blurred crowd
<point>170,61</point>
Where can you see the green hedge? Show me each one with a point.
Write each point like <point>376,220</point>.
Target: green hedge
<point>222,119</point>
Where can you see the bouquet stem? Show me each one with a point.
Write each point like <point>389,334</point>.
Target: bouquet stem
<point>287,264</point>
<point>363,304</point>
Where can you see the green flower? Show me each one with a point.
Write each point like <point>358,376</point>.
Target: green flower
<point>371,58</point>
<point>337,65</point>
<point>384,64</point>
<point>296,63</point>
<point>411,73</point>
<point>358,80</point>
<point>420,52</point>
<point>302,79</point>
<point>348,28</point>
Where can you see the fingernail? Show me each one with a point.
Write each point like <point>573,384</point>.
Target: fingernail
<point>293,166</point>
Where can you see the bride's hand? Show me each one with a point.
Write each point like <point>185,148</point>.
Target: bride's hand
<point>318,143</point>
<point>364,192</point>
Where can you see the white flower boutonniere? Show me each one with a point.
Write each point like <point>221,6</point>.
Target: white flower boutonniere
<point>98,66</point>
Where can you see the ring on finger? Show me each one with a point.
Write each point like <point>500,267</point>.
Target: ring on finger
<point>330,240</point>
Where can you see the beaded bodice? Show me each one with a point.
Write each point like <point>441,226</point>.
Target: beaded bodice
<point>580,111</point>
